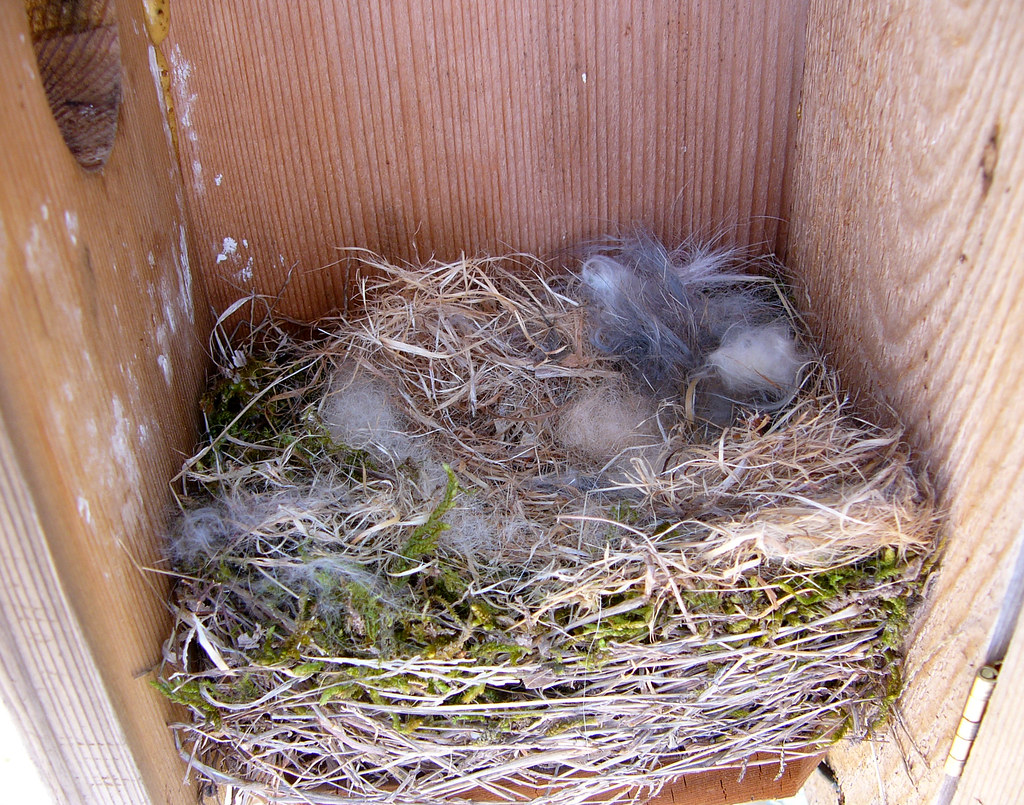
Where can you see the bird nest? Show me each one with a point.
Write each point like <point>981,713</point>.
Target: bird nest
<point>443,548</point>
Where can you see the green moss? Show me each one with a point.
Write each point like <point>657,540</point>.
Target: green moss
<point>190,694</point>
<point>424,537</point>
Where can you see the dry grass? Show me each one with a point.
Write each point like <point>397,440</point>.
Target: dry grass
<point>459,604</point>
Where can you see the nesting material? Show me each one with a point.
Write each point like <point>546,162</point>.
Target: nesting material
<point>608,421</point>
<point>759,360</point>
<point>458,546</point>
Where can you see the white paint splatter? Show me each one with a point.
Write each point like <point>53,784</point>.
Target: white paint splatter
<point>71,223</point>
<point>143,433</point>
<point>151,259</point>
<point>84,511</point>
<point>197,177</point>
<point>184,98</point>
<point>120,445</point>
<point>245,243</point>
<point>36,254</point>
<point>167,295</point>
<point>163,357</point>
<point>584,77</point>
<point>45,212</point>
<point>165,366</point>
<point>218,179</point>
<point>228,248</point>
<point>133,383</point>
<point>245,275</point>
<point>125,476</point>
<point>45,265</point>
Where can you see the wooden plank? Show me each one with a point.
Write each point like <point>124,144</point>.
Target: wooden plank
<point>99,373</point>
<point>907,208</point>
<point>762,777</point>
<point>994,772</point>
<point>48,675</point>
<point>433,127</point>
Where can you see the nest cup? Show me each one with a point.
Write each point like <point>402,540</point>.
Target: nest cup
<point>446,548</point>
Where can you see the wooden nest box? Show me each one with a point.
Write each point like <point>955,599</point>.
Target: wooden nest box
<point>159,160</point>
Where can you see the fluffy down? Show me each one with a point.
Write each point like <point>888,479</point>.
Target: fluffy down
<point>361,412</point>
<point>607,420</point>
<point>757,362</point>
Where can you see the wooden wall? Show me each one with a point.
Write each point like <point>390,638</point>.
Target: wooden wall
<point>887,161</point>
<point>908,233</point>
<point>102,323</point>
<point>433,127</point>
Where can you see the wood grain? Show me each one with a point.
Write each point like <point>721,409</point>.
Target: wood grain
<point>433,127</point>
<point>102,325</point>
<point>994,772</point>
<point>907,210</point>
<point>79,57</point>
<point>762,777</point>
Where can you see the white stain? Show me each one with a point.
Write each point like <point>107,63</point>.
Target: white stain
<point>167,295</point>
<point>120,444</point>
<point>45,266</point>
<point>228,248</point>
<point>197,176</point>
<point>163,360</point>
<point>184,98</point>
<point>71,223</point>
<point>218,179</point>
<point>165,366</point>
<point>125,474</point>
<point>84,511</point>
<point>45,212</point>
<point>37,256</point>
<point>584,77</point>
<point>245,275</point>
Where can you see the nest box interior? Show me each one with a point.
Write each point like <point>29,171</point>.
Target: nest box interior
<point>237,146</point>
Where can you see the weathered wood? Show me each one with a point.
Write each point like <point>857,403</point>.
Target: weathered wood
<point>429,127</point>
<point>433,127</point>
<point>907,209</point>
<point>101,325</point>
<point>762,777</point>
<point>994,771</point>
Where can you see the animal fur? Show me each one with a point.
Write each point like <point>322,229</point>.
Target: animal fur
<point>691,314</point>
